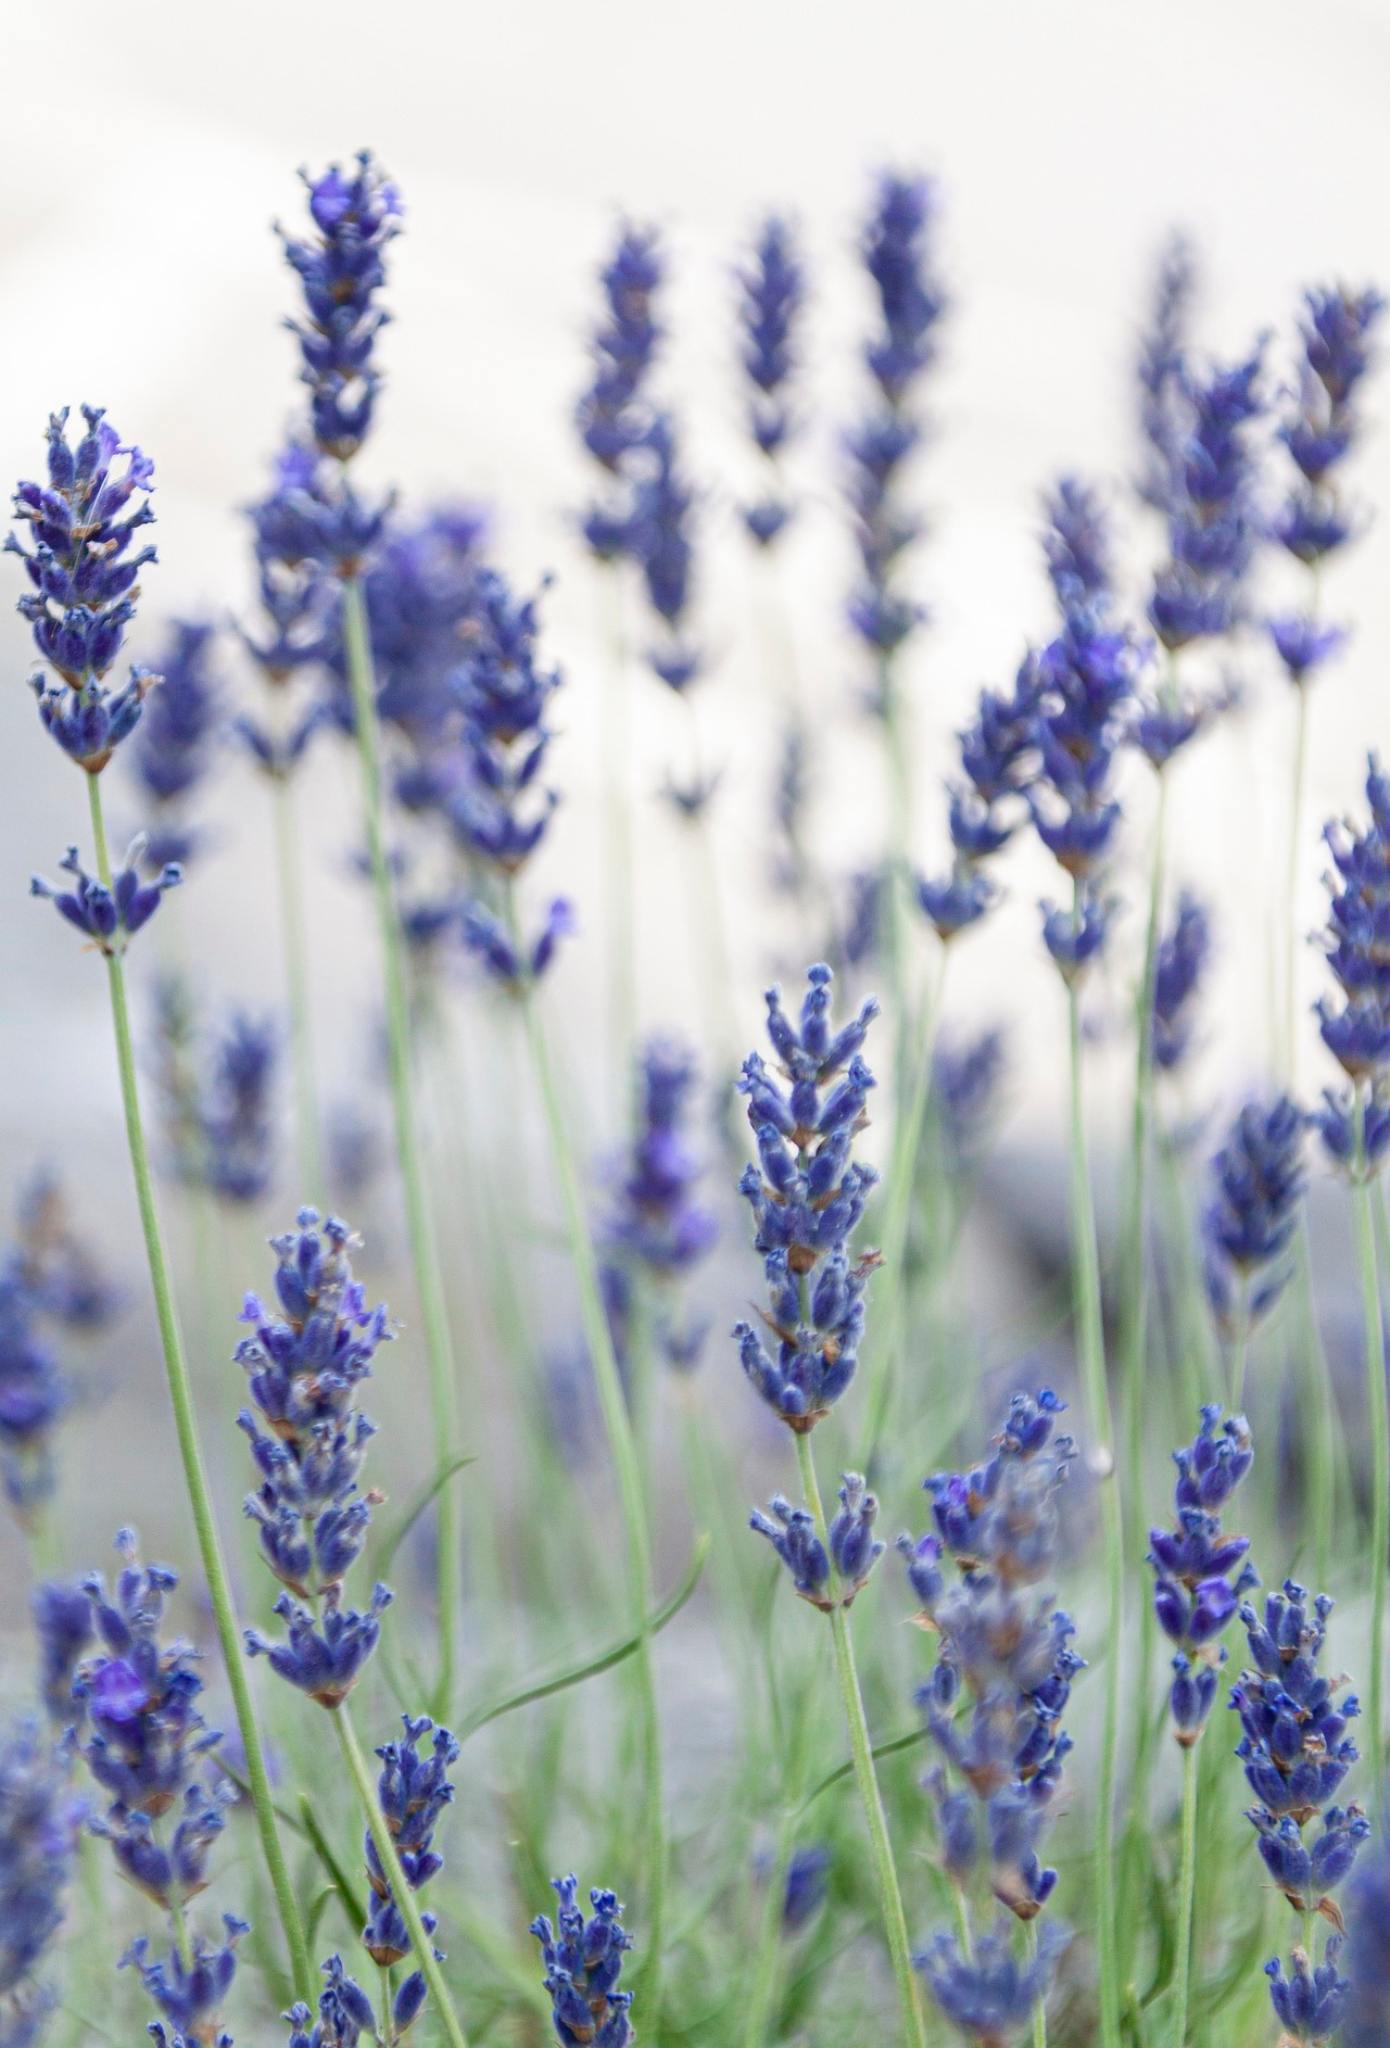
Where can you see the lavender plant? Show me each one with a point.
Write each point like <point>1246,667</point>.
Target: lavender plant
<point>82,523</point>
<point>1005,1657</point>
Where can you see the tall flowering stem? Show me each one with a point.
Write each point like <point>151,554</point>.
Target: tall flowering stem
<point>806,1195</point>
<point>865,1775</point>
<point>622,1445</point>
<point>190,1448</point>
<point>1091,1344</point>
<point>81,523</point>
<point>424,1249</point>
<point>384,1842</point>
<point>1378,1422</point>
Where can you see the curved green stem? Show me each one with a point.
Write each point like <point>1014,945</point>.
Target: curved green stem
<point>861,1749</point>
<point>190,1448</point>
<point>1378,1422</point>
<point>1187,1882</point>
<point>290,880</point>
<point>424,1250</point>
<point>421,1944</point>
<point>1091,1344</point>
<point>623,1450</point>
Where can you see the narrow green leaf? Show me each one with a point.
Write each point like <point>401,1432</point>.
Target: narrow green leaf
<point>323,1849</point>
<point>889,1747</point>
<point>316,1911</point>
<point>591,1667</point>
<point>432,1487</point>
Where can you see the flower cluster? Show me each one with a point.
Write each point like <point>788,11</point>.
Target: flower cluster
<point>583,1961</point>
<point>806,1196</point>
<point>110,915</point>
<point>189,1989</point>
<point>1248,1224</point>
<point>660,537</point>
<point>1367,1996</point>
<point>850,1551</point>
<point>1296,1752</point>
<point>37,1827</point>
<point>1161,365</point>
<point>171,751</point>
<point>985,807</point>
<point>657,1222</point>
<point>989,1995</point>
<point>1355,1122</point>
<point>428,603</point>
<point>33,1395</point>
<point>500,814</point>
<point>143,1736</point>
<point>355,213</point>
<point>413,1790</point>
<point>345,2013</point>
<point>1200,1572</point>
<point>56,1262</point>
<point>296,602</point>
<point>898,257</point>
<point>1179,964</point>
<point>612,414</point>
<point>218,1114</point>
<point>772,296</point>
<point>966,1077</point>
<point>1211,515</point>
<point>85,582</point>
<point>1319,431</point>
<point>304,1365</point>
<point>1086,684</point>
<point>1007,1647</point>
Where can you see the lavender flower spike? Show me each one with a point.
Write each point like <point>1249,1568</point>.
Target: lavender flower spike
<point>1200,1572</point>
<point>355,213</point>
<point>583,1961</point>
<point>110,917</point>
<point>1257,1183</point>
<point>38,1819</point>
<point>414,1790</point>
<point>806,1196</point>
<point>772,292</point>
<point>84,574</point>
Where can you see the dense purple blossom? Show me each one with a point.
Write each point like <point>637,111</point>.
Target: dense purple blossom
<point>1200,1572</point>
<point>583,1961</point>
<point>355,213</point>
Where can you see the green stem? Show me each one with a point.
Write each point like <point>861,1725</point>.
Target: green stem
<point>1300,764</point>
<point>1322,1406</point>
<point>308,1150</point>
<point>424,1250</point>
<point>861,1749</point>
<point>1378,1423</point>
<point>768,1954</point>
<point>421,1944</point>
<point>1091,1344</point>
<point>1040,2005</point>
<point>620,869</point>
<point>190,1449</point>
<point>1136,1323</point>
<point>1240,1348</point>
<point>1187,1882</point>
<point>886,1358</point>
<point>623,1450</point>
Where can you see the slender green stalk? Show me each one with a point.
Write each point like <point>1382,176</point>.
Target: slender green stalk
<point>190,1448</point>
<point>1378,1423</point>
<point>1300,776</point>
<point>620,873</point>
<point>1040,2008</point>
<point>1322,1406</point>
<point>424,1249</point>
<point>1091,1344</point>
<point>1240,1349</point>
<point>421,1944</point>
<point>623,1450</point>
<point>1187,1883</point>
<point>861,1749</point>
<point>768,1953</point>
<point>290,880</point>
<point>886,1359</point>
<point>899,855</point>
<point>1136,1321</point>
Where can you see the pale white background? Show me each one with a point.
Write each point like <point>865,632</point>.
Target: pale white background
<point>145,151</point>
